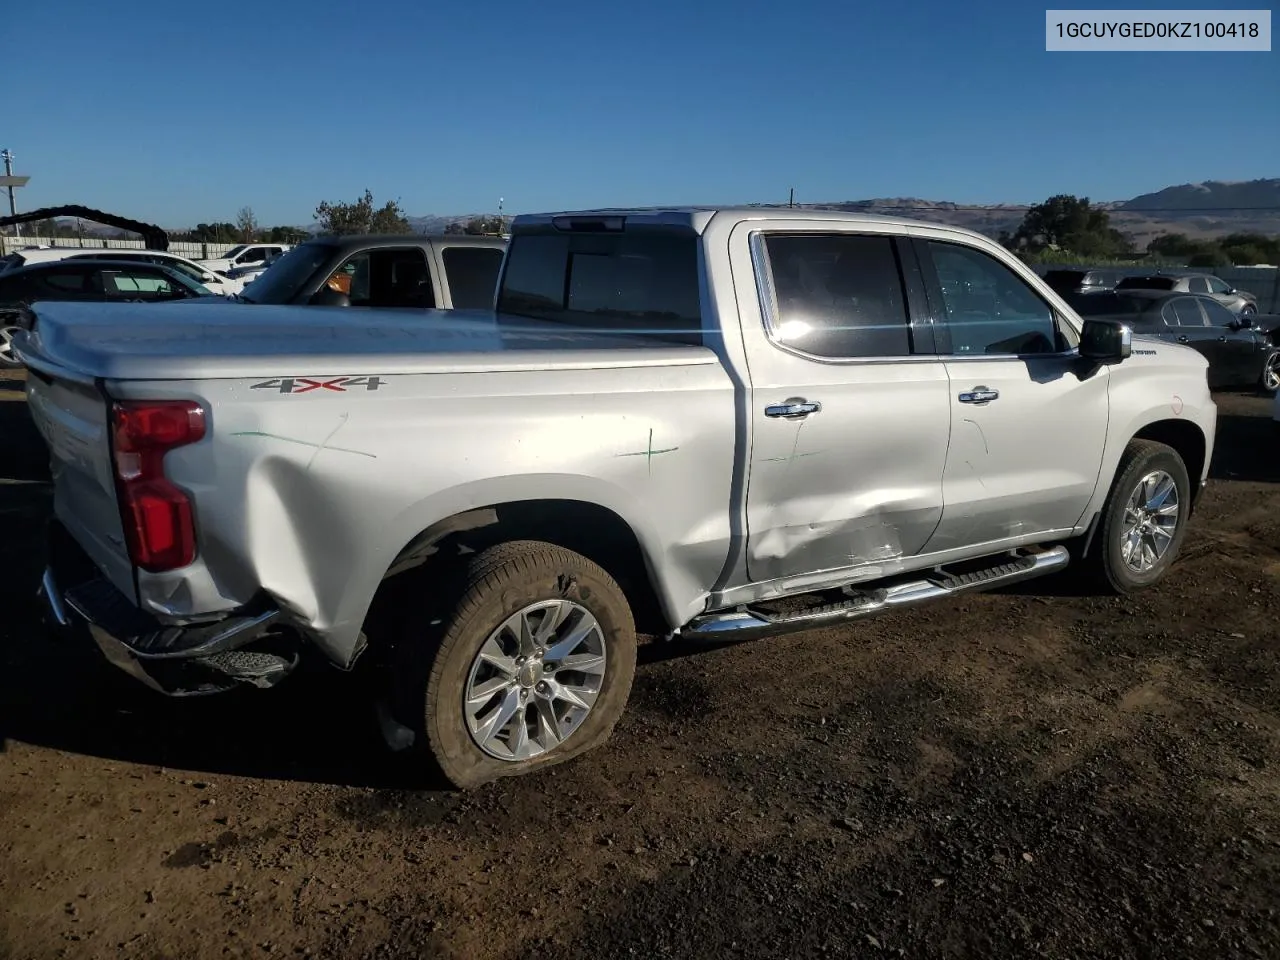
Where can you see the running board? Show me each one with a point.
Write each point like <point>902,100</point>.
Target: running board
<point>744,623</point>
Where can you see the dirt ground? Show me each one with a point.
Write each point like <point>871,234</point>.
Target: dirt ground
<point>1020,774</point>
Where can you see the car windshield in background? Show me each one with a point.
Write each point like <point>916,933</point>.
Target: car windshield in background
<point>1147,283</point>
<point>634,283</point>
<point>287,273</point>
<point>232,252</point>
<point>1106,304</point>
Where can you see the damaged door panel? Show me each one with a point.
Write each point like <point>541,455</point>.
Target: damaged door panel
<point>849,424</point>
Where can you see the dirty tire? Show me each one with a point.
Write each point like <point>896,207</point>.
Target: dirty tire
<point>1107,566</point>
<point>432,676</point>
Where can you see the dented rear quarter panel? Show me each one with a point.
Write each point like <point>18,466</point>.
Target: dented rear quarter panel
<point>311,496</point>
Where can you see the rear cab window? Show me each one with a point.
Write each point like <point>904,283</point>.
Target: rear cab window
<point>640,281</point>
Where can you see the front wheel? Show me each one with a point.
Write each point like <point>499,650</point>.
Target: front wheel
<point>1248,310</point>
<point>1145,517</point>
<point>534,665</point>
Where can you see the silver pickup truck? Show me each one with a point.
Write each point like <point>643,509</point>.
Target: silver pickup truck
<point>710,425</point>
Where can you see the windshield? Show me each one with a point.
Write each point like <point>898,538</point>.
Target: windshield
<point>231,254</point>
<point>288,273</point>
<point>192,273</point>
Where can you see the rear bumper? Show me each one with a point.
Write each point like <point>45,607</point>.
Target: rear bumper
<point>248,647</point>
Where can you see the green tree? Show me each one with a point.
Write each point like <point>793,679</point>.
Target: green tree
<point>1175,245</point>
<point>1069,224</point>
<point>361,217</point>
<point>484,226</point>
<point>1209,259</point>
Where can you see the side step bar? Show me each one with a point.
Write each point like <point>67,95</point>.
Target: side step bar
<point>744,623</point>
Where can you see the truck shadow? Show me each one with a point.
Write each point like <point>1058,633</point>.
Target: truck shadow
<point>1247,449</point>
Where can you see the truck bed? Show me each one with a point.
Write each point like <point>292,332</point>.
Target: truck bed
<point>128,341</point>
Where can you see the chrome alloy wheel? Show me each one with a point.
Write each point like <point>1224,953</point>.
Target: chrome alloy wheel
<point>534,680</point>
<point>8,358</point>
<point>1151,520</point>
<point>1271,373</point>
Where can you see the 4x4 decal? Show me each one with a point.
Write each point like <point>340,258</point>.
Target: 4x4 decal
<point>307,385</point>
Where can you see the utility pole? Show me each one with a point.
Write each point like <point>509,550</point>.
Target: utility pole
<point>791,201</point>
<point>10,181</point>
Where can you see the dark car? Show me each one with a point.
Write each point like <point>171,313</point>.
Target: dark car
<point>1240,354</point>
<point>96,280</point>
<point>449,272</point>
<point>1241,303</point>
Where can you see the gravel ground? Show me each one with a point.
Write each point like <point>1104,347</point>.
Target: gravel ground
<point>1029,773</point>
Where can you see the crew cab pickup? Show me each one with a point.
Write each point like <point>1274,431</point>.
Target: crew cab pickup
<point>703,425</point>
<point>454,271</point>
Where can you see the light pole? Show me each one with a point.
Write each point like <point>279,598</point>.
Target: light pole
<point>10,181</point>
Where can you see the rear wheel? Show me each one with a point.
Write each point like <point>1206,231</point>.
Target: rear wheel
<point>8,359</point>
<point>1144,519</point>
<point>534,665</point>
<point>1270,379</point>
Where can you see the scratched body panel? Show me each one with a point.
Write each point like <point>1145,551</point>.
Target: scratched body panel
<point>311,496</point>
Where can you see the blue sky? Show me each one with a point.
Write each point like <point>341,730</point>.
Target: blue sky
<point>183,112</point>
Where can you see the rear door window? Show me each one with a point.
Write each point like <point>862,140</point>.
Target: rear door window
<point>838,296</point>
<point>472,275</point>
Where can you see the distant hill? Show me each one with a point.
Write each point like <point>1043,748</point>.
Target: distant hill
<point>1214,208</point>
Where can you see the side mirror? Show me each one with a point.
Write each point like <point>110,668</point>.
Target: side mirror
<point>1244,323</point>
<point>1106,341</point>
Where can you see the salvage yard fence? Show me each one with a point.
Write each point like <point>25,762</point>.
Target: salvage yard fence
<point>191,249</point>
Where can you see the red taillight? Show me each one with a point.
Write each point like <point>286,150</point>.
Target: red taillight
<point>156,513</point>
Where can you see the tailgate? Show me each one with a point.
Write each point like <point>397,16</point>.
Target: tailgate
<point>72,417</point>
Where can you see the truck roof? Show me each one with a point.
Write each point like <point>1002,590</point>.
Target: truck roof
<point>698,217</point>
<point>345,240</point>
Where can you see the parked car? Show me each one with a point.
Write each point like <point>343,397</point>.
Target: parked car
<point>713,425</point>
<point>216,282</point>
<point>1240,354</point>
<point>246,255</point>
<point>1239,302</point>
<point>384,271</point>
<point>1070,282</point>
<point>85,280</point>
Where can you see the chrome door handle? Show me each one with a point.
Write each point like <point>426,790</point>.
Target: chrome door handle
<point>980,395</point>
<point>793,408</point>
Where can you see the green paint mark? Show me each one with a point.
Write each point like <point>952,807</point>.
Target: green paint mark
<point>649,453</point>
<point>306,443</point>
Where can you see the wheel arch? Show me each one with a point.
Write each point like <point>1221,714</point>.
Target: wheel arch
<point>1188,440</point>
<point>596,532</point>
